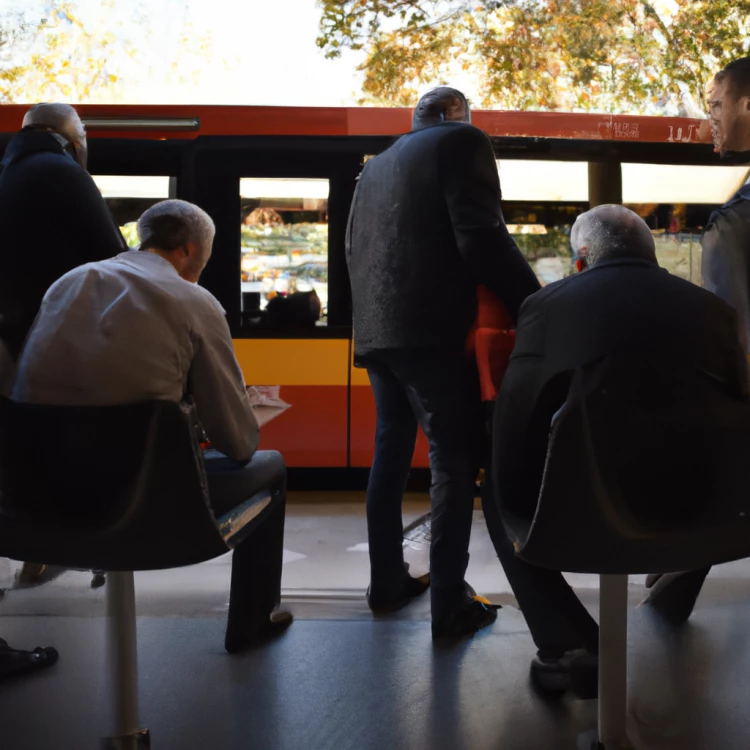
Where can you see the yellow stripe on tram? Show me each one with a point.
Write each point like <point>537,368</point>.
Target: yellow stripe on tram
<point>293,361</point>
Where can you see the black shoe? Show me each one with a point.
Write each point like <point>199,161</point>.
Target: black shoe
<point>14,662</point>
<point>258,629</point>
<point>474,614</point>
<point>577,671</point>
<point>98,579</point>
<point>382,602</point>
<point>673,596</point>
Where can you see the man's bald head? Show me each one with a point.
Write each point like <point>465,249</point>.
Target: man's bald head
<point>60,118</point>
<point>609,232</point>
<point>442,104</point>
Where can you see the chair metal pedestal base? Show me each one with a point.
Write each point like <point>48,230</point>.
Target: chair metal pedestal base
<point>613,663</point>
<point>122,665</point>
<point>139,741</point>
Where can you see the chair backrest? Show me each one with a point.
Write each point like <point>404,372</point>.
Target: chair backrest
<point>116,487</point>
<point>646,471</point>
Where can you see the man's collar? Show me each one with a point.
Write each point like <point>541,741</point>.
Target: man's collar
<point>625,262</point>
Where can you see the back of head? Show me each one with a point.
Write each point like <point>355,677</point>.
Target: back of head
<point>442,104</point>
<point>173,225</point>
<point>611,232</point>
<point>60,118</point>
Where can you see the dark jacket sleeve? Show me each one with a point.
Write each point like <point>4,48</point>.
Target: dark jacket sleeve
<point>81,206</point>
<point>471,186</point>
<point>726,247</point>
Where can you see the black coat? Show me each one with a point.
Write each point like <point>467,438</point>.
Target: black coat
<point>52,219</point>
<point>425,230</point>
<point>726,257</point>
<point>627,308</point>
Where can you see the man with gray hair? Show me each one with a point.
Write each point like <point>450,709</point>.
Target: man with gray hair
<point>52,215</point>
<point>138,328</point>
<point>623,303</point>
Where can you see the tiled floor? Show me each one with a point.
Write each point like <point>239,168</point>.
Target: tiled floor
<point>341,680</point>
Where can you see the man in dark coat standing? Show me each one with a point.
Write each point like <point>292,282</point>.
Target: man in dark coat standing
<point>425,230</point>
<point>726,273</point>
<point>624,304</point>
<point>52,215</point>
<point>53,218</point>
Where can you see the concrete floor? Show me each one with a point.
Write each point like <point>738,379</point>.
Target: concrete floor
<point>338,679</point>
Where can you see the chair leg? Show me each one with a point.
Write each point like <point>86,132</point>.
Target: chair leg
<point>122,665</point>
<point>613,662</point>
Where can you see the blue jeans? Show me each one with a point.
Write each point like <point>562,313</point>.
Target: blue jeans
<point>439,391</point>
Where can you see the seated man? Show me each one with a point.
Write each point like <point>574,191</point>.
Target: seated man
<point>138,327</point>
<point>623,303</point>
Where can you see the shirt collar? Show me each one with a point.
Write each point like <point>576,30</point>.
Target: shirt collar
<point>144,257</point>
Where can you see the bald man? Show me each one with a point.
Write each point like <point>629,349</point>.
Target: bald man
<point>53,219</point>
<point>425,230</point>
<point>623,303</point>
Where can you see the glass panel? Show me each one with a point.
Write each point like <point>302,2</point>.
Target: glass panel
<point>680,254</point>
<point>542,233</point>
<point>128,196</point>
<point>668,183</point>
<point>284,234</point>
<point>525,180</point>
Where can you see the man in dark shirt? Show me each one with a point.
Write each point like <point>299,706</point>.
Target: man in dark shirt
<point>726,273</point>
<point>425,230</point>
<point>623,304</point>
<point>52,215</point>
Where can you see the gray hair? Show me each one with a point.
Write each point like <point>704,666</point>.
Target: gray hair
<point>440,105</point>
<point>62,118</point>
<point>171,224</point>
<point>612,231</point>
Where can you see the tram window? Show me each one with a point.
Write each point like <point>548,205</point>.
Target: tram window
<point>128,196</point>
<point>541,201</point>
<point>284,230</point>
<point>676,201</point>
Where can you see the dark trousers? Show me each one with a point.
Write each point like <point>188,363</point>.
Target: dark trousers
<point>440,393</point>
<point>554,614</point>
<point>257,560</point>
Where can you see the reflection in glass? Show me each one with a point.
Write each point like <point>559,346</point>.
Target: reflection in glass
<point>284,244</point>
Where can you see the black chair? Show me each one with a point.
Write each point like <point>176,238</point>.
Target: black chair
<point>117,488</point>
<point>646,472</point>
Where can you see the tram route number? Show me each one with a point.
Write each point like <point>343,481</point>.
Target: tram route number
<point>683,135</point>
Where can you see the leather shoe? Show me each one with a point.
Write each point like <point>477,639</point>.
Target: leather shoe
<point>576,670</point>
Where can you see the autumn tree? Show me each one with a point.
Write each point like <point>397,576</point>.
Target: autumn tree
<point>56,50</point>
<point>605,55</point>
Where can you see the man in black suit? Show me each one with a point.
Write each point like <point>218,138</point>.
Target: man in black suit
<point>726,272</point>
<point>624,303</point>
<point>425,230</point>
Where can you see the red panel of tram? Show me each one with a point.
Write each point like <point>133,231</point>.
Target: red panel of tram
<point>312,431</point>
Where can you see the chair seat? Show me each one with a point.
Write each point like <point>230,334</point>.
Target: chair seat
<point>119,488</point>
<point>641,480</point>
